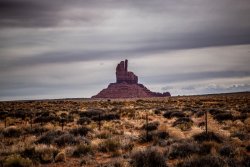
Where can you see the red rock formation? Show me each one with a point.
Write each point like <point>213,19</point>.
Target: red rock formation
<point>122,74</point>
<point>127,86</point>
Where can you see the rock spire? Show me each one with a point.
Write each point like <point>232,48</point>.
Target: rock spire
<point>127,86</point>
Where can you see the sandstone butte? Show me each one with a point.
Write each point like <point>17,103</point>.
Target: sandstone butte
<point>127,86</point>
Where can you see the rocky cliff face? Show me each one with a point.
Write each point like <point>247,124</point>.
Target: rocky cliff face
<point>127,86</point>
<point>122,74</point>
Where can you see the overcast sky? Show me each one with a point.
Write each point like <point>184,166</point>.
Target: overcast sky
<point>64,49</point>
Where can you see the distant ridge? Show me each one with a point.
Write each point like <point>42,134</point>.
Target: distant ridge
<point>91,99</point>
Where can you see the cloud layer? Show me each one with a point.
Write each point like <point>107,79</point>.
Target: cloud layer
<point>60,48</point>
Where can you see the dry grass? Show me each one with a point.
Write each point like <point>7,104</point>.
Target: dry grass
<point>119,136</point>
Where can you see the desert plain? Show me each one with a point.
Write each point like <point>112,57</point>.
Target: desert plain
<point>205,130</point>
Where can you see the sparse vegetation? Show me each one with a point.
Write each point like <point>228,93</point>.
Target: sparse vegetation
<point>210,136</point>
<point>49,137</point>
<point>109,145</point>
<point>223,116</point>
<point>142,132</point>
<point>171,114</point>
<point>12,132</point>
<point>148,158</point>
<point>183,123</point>
<point>17,161</point>
<point>82,149</point>
<point>82,131</point>
<point>66,139</point>
<point>182,150</point>
<point>205,161</point>
<point>151,126</point>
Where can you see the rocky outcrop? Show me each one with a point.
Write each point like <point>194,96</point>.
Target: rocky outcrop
<point>122,74</point>
<point>127,86</point>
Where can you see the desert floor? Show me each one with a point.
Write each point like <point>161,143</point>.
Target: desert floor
<point>127,132</point>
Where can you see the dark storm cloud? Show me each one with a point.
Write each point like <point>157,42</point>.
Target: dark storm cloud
<point>62,57</point>
<point>142,49</point>
<point>27,13</point>
<point>182,24</point>
<point>39,14</point>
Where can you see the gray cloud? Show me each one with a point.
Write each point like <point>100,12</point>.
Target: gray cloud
<point>36,37</point>
<point>27,13</point>
<point>208,89</point>
<point>194,76</point>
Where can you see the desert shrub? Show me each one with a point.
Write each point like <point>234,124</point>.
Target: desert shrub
<point>167,114</point>
<point>171,114</point>
<point>43,113</point>
<point>205,148</point>
<point>49,137</point>
<point>83,121</point>
<point>200,114</point>
<point>182,150</point>
<point>46,119</point>
<point>82,131</point>
<point>110,116</point>
<point>158,137</point>
<point>12,132</point>
<point>227,151</point>
<point>17,161</point>
<point>245,161</point>
<point>162,135</point>
<point>91,113</point>
<point>245,110</point>
<point>74,112</point>
<point>66,139</point>
<point>60,157</point>
<point>128,146</point>
<point>248,147</point>
<point>223,116</point>
<point>148,158</point>
<point>232,162</point>
<point>47,153</point>
<point>241,117</point>
<point>151,126</point>
<point>116,163</point>
<point>3,116</point>
<point>214,111</point>
<point>22,114</point>
<point>204,161</point>
<point>104,135</point>
<point>106,117</point>
<point>146,137</point>
<point>114,109</point>
<point>109,145</point>
<point>157,112</point>
<point>200,124</point>
<point>68,118</point>
<point>178,114</point>
<point>162,109</point>
<point>37,130</point>
<point>182,120</point>
<point>130,113</point>
<point>183,123</point>
<point>31,153</point>
<point>82,149</point>
<point>241,135</point>
<point>210,136</point>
